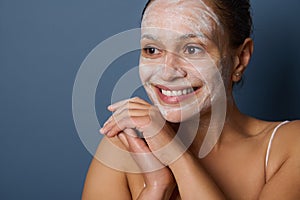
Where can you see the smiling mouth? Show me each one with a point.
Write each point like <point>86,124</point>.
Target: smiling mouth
<point>177,93</point>
<point>174,96</point>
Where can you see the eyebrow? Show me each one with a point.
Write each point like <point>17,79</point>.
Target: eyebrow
<point>191,35</point>
<point>150,37</point>
<point>183,37</point>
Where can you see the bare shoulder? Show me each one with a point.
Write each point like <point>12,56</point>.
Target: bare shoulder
<point>108,144</point>
<point>282,172</point>
<point>112,153</point>
<point>285,147</point>
<point>106,171</point>
<point>289,136</point>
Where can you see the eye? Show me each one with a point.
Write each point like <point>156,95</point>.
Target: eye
<point>151,51</point>
<point>193,50</point>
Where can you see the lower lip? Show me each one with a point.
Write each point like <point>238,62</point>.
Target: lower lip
<point>175,99</point>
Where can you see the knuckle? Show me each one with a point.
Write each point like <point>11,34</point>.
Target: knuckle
<point>130,104</point>
<point>134,99</point>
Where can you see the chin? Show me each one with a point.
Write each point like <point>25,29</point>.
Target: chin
<point>177,115</point>
<point>177,118</point>
<point>172,116</point>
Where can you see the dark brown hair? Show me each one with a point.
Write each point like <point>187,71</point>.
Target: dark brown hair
<point>235,15</point>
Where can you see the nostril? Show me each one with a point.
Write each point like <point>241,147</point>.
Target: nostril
<point>182,72</point>
<point>173,65</point>
<point>171,73</point>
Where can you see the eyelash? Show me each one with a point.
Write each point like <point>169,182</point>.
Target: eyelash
<point>195,49</point>
<point>153,52</point>
<point>148,49</point>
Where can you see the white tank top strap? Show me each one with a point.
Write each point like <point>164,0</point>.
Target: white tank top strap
<point>271,140</point>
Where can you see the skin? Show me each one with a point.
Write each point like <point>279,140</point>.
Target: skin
<point>235,168</point>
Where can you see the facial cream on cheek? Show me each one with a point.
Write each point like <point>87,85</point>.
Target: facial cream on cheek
<point>182,110</point>
<point>180,18</point>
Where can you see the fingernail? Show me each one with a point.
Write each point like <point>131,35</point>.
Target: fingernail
<point>109,134</point>
<point>102,131</point>
<point>110,107</point>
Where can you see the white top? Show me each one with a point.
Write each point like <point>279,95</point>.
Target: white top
<point>271,140</point>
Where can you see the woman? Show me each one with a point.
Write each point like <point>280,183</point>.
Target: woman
<point>185,46</point>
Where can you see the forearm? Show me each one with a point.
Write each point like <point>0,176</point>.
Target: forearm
<point>192,180</point>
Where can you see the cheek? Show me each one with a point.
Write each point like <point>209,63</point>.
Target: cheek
<point>145,71</point>
<point>203,70</point>
<point>212,77</point>
<point>144,75</point>
<point>227,71</point>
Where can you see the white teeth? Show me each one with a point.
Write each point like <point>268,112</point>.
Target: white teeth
<point>177,93</point>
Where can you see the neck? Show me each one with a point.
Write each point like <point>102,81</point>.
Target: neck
<point>214,128</point>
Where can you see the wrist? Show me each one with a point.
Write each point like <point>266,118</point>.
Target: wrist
<point>159,192</point>
<point>168,152</point>
<point>161,139</point>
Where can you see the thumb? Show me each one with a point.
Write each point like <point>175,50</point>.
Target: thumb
<point>140,151</point>
<point>135,144</point>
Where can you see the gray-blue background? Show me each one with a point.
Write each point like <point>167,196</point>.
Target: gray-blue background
<point>42,45</point>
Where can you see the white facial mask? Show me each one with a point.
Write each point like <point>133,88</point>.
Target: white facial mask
<point>200,73</point>
<point>163,23</point>
<point>170,26</point>
<point>195,14</point>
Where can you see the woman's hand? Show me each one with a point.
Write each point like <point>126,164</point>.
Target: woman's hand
<point>138,114</point>
<point>160,183</point>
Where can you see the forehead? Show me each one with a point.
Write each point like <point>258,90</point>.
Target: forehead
<point>181,16</point>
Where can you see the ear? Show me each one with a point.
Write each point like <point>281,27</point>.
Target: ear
<point>242,59</point>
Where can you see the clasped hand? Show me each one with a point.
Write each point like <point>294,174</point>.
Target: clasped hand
<point>134,115</point>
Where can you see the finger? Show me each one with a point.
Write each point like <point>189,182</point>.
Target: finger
<point>135,122</point>
<point>126,116</point>
<point>139,100</point>
<point>110,122</point>
<point>112,107</point>
<point>136,144</point>
<point>131,106</point>
<point>123,139</point>
<point>116,124</point>
<point>142,154</point>
<point>115,106</point>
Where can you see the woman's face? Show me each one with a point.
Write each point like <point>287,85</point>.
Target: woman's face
<point>181,57</point>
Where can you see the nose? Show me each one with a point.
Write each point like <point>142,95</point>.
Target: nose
<point>173,67</point>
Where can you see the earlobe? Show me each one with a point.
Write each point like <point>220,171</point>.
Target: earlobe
<point>236,77</point>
